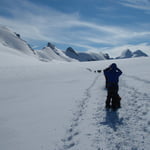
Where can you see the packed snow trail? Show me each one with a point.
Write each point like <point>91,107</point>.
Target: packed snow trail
<point>94,128</point>
<point>73,137</point>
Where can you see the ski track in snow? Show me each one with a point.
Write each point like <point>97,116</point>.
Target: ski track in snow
<point>94,128</point>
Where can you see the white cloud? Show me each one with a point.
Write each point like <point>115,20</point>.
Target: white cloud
<point>43,23</point>
<point>138,4</point>
<point>40,23</point>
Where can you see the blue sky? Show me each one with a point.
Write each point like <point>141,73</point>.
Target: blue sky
<point>93,25</point>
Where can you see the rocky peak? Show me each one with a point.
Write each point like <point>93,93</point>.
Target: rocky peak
<point>71,50</point>
<point>126,54</point>
<point>106,56</point>
<point>50,45</point>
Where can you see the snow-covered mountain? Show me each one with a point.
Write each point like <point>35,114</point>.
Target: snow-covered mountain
<point>11,42</point>
<point>129,54</point>
<point>139,53</point>
<point>50,52</point>
<point>9,39</point>
<point>85,56</point>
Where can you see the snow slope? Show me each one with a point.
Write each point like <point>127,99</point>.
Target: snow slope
<point>13,40</point>
<point>60,105</point>
<point>52,53</point>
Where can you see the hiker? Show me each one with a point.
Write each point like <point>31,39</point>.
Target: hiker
<point>112,74</point>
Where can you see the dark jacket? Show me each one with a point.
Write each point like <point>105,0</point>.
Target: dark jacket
<point>112,75</point>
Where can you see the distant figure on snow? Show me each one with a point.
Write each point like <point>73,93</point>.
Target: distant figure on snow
<point>112,74</point>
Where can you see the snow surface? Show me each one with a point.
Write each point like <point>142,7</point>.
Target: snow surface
<point>60,105</point>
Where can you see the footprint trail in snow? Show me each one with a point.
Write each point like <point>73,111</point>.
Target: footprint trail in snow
<point>94,128</point>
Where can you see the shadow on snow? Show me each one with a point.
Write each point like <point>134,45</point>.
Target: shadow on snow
<point>112,120</point>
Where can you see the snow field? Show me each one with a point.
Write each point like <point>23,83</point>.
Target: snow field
<point>60,106</point>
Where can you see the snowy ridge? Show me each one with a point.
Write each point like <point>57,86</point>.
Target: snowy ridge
<point>12,40</point>
<point>139,53</point>
<point>50,53</point>
<point>129,54</point>
<point>84,56</point>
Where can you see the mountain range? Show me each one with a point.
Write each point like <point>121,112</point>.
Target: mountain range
<point>84,56</point>
<point>11,42</point>
<point>129,54</point>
